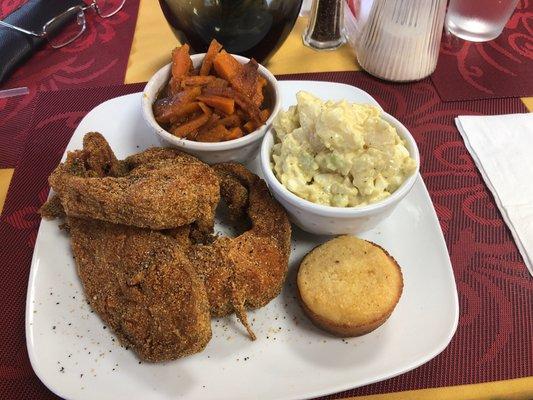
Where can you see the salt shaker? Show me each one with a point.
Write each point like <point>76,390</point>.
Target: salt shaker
<point>325,30</point>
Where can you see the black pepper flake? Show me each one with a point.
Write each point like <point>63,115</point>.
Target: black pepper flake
<point>105,327</point>
<point>81,375</point>
<point>62,370</point>
<point>57,303</point>
<point>139,362</point>
<point>54,327</point>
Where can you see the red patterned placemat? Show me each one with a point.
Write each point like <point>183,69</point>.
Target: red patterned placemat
<point>494,339</point>
<point>499,68</point>
<point>99,57</point>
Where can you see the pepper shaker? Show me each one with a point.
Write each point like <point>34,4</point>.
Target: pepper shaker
<point>325,30</point>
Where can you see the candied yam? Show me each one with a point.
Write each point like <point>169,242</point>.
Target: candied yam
<point>243,78</point>
<point>210,124</point>
<point>242,101</point>
<point>190,126</point>
<point>205,109</point>
<point>223,104</point>
<point>219,100</point>
<point>212,51</point>
<point>226,66</point>
<point>230,121</point>
<point>197,80</point>
<point>218,82</point>
<point>216,134</point>
<point>185,110</point>
<point>248,83</point>
<point>181,62</point>
<point>166,109</point>
<point>234,133</point>
<point>250,126</point>
<point>264,114</point>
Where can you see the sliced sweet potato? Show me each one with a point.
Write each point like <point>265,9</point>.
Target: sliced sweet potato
<point>226,66</point>
<point>243,78</point>
<point>216,134</point>
<point>196,80</point>
<point>185,110</point>
<point>218,82</point>
<point>223,104</point>
<point>242,101</point>
<point>190,126</point>
<point>216,101</point>
<point>166,109</point>
<point>210,124</point>
<point>250,126</point>
<point>212,51</point>
<point>249,82</point>
<point>205,109</point>
<point>181,65</point>
<point>230,121</point>
<point>181,62</point>
<point>264,114</point>
<point>193,124</point>
<point>234,133</point>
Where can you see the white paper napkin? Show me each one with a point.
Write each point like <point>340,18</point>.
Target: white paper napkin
<point>502,148</point>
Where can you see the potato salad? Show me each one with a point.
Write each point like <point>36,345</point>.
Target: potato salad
<point>339,154</point>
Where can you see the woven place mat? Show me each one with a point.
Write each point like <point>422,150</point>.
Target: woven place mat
<point>499,68</point>
<point>494,337</point>
<point>99,57</point>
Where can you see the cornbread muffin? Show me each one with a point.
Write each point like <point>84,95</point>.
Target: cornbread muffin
<point>349,286</point>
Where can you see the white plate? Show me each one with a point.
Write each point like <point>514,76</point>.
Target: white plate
<point>77,358</point>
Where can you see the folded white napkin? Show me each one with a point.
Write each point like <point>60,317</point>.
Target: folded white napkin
<point>502,148</point>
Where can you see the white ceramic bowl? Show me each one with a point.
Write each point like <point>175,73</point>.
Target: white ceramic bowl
<point>240,150</point>
<point>327,220</point>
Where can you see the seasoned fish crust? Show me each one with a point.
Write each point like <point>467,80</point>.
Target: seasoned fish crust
<point>247,271</point>
<point>163,194</point>
<point>143,287</point>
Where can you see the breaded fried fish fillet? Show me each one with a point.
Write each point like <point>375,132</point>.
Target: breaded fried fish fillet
<point>143,287</point>
<point>157,189</point>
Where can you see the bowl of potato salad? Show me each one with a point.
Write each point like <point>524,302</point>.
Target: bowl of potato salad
<point>338,167</point>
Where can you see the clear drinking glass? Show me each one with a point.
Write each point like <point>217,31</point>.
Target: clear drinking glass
<point>478,20</point>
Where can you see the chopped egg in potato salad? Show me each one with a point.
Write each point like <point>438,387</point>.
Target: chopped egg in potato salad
<point>338,153</point>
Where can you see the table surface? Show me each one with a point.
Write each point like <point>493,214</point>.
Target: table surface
<point>153,41</point>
